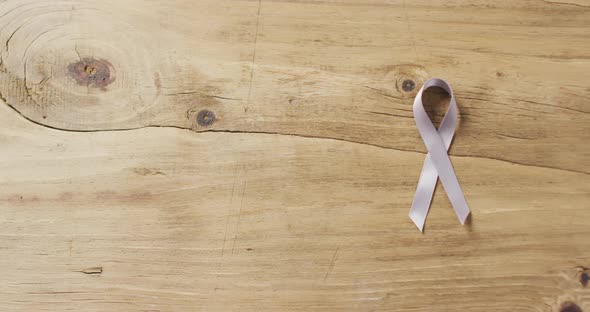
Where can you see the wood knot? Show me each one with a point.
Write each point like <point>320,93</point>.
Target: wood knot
<point>408,85</point>
<point>569,306</point>
<point>582,274</point>
<point>584,279</point>
<point>91,72</point>
<point>205,118</point>
<point>407,78</point>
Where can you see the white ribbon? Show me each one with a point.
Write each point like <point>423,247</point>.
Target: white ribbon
<point>437,163</point>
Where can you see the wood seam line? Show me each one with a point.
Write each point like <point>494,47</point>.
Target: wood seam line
<point>277,133</point>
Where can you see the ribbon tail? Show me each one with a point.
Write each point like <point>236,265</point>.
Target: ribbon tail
<point>451,185</point>
<point>418,220</point>
<point>423,196</point>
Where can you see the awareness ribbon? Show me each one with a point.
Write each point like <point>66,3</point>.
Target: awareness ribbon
<point>437,163</point>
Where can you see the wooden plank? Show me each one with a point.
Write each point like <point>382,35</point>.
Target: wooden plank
<point>261,155</point>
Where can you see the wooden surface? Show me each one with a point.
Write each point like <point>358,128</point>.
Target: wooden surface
<point>262,155</point>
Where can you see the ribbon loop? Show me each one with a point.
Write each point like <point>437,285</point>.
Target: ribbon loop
<point>437,163</point>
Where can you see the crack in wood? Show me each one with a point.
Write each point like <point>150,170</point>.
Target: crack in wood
<point>92,271</point>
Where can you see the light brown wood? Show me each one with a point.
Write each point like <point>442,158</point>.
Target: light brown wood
<point>262,155</point>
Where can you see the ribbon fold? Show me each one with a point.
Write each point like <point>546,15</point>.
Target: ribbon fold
<point>437,163</point>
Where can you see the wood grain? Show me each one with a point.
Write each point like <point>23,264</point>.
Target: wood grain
<point>262,155</point>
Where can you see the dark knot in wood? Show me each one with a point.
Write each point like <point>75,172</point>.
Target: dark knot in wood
<point>408,85</point>
<point>205,118</point>
<point>569,306</point>
<point>91,72</point>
